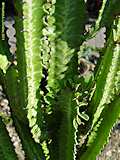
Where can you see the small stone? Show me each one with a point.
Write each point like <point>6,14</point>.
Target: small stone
<point>109,153</point>
<point>4,102</point>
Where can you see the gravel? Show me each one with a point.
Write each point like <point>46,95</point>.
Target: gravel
<point>112,150</point>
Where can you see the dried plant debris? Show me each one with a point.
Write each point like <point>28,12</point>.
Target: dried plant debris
<point>6,116</point>
<point>89,53</point>
<point>85,67</point>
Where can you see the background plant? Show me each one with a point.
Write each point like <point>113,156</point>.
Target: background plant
<point>58,112</point>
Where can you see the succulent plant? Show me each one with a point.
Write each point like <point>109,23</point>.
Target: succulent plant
<point>63,93</point>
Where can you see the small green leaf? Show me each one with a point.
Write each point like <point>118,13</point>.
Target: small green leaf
<point>84,116</point>
<point>3,63</point>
